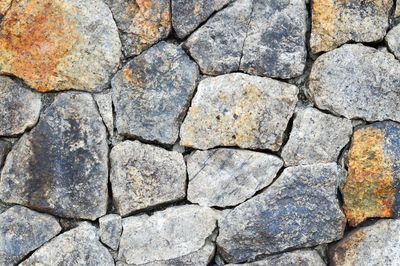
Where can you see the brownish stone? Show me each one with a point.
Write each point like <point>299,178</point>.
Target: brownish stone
<point>4,6</point>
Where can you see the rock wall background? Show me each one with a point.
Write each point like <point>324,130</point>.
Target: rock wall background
<point>213,132</point>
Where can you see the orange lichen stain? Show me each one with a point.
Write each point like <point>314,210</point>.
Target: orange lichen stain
<point>369,190</point>
<point>4,6</point>
<point>34,38</point>
<point>343,251</point>
<point>324,15</point>
<point>131,77</point>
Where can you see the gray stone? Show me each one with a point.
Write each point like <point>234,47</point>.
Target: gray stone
<point>22,231</point>
<point>5,148</point>
<point>78,247</point>
<point>144,176</point>
<point>227,177</point>
<point>378,244</point>
<point>141,23</point>
<point>316,138</point>
<point>19,107</point>
<point>393,39</point>
<point>356,81</point>
<point>110,230</point>
<point>104,104</point>
<point>298,210</point>
<point>231,110</point>
<point>187,15</point>
<point>179,235</point>
<point>152,92</point>
<point>61,166</point>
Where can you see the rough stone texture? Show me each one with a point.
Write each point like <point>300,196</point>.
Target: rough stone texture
<point>227,177</point>
<point>144,176</point>
<point>22,231</point>
<point>61,165</point>
<point>356,81</point>
<point>397,10</point>
<point>377,244</point>
<point>141,23</point>
<point>337,22</point>
<point>295,258</point>
<point>300,209</point>
<point>4,6</point>
<point>316,138</point>
<point>79,246</point>
<point>19,107</point>
<point>177,236</point>
<point>5,147</point>
<point>265,38</point>
<point>60,44</point>
<point>187,15</point>
<point>110,230</point>
<point>231,110</point>
<point>152,92</point>
<point>104,103</point>
<point>393,41</point>
<point>374,173</point>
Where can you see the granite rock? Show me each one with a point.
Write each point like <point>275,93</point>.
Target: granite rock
<point>393,39</point>
<point>110,230</point>
<point>104,104</point>
<point>5,148</point>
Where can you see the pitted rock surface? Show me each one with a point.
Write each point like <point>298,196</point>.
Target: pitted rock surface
<point>110,230</point>
<point>393,41</point>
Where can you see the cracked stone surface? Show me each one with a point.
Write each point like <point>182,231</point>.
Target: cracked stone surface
<point>104,104</point>
<point>5,148</point>
<point>230,110</point>
<point>60,167</point>
<point>110,230</point>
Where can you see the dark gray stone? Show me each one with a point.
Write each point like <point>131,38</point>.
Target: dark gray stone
<point>5,147</point>
<point>110,230</point>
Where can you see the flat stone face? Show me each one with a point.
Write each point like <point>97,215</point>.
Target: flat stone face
<point>61,167</point>
<point>152,92</point>
<point>231,110</point>
<point>374,171</point>
<point>171,237</point>
<point>337,22</point>
<point>19,107</point>
<point>22,231</point>
<point>316,138</point>
<point>5,147</point>
<point>377,244</point>
<point>266,38</point>
<point>110,230</point>
<point>227,177</point>
<point>79,246</point>
<point>58,45</point>
<point>292,213</point>
<point>393,41</point>
<point>144,176</point>
<point>187,15</point>
<point>141,23</point>
<point>356,81</point>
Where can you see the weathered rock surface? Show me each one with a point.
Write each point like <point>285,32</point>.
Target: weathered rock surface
<point>177,236</point>
<point>356,81</point>
<point>227,177</point>
<point>4,6</point>
<point>79,246</point>
<point>22,231</point>
<point>374,172</point>
<point>144,176</point>
<point>377,244</point>
<point>19,107</point>
<point>316,138</point>
<point>110,230</point>
<point>393,41</point>
<point>187,15</point>
<point>337,22</point>
<point>259,37</point>
<point>61,165</point>
<point>231,110</point>
<point>152,92</point>
<point>141,23</point>
<point>397,10</point>
<point>104,103</point>
<point>300,209</point>
<point>58,45</point>
<point>5,148</point>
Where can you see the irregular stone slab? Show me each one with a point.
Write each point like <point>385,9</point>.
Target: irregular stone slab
<point>188,14</point>
<point>316,138</point>
<point>377,244</point>
<point>58,45</point>
<point>144,176</point>
<point>231,110</point>
<point>61,166</point>
<point>356,81</point>
<point>337,22</point>
<point>298,210</point>
<point>110,230</point>
<point>19,107</point>
<point>177,236</point>
<point>104,103</point>
<point>5,147</point>
<point>227,177</point>
<point>4,6</point>
<point>22,231</point>
<point>141,23</point>
<point>393,39</point>
<point>152,93</point>
<point>79,246</point>
<point>374,172</point>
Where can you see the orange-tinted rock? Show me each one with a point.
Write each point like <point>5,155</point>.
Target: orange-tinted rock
<point>4,6</point>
